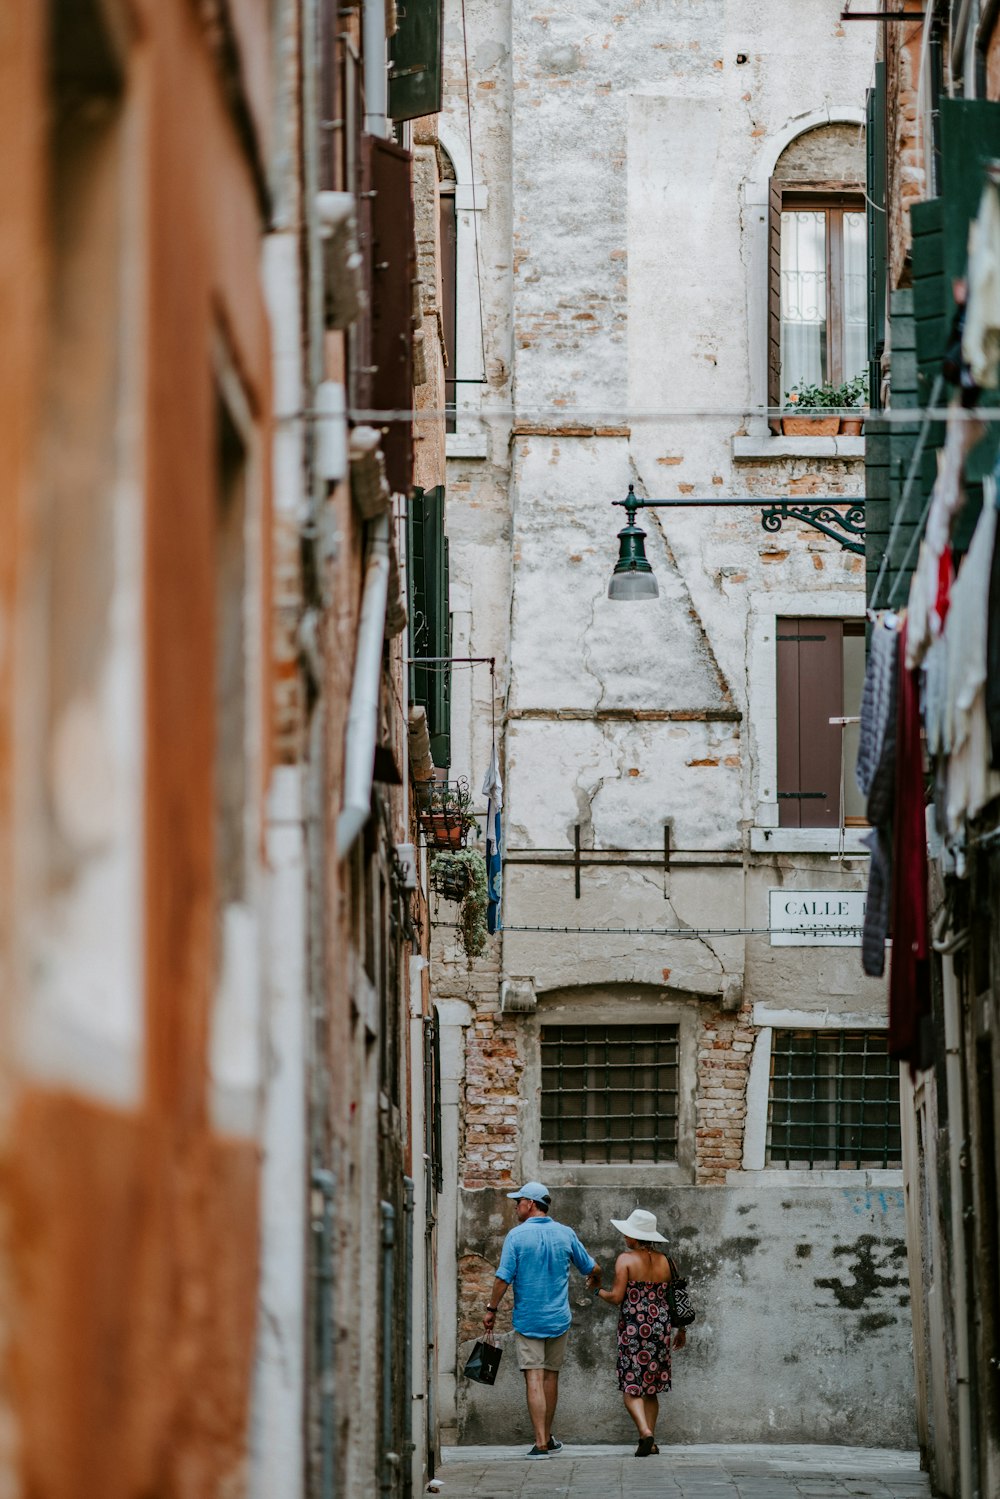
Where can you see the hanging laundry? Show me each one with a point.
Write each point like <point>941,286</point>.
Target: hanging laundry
<point>909,969</point>
<point>993,654</point>
<point>981,334</point>
<point>876,779</point>
<point>971,784</point>
<point>493,791</point>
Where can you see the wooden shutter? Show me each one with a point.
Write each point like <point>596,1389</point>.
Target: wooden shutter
<point>393,269</point>
<point>810,658</point>
<point>774,391</point>
<point>415,60</point>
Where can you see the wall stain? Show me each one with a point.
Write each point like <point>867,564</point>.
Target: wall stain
<point>803,1251</point>
<point>874,1320</point>
<point>869,1281</point>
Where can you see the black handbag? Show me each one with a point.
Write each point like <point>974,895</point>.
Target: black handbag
<point>681,1310</point>
<point>484,1361</point>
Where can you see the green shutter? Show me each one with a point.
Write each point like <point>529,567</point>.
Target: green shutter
<point>415,60</point>
<point>877,233</point>
<point>430,617</point>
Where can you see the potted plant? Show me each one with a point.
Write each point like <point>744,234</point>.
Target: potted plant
<point>447,820</point>
<point>853,396</point>
<point>461,876</point>
<point>815,410</point>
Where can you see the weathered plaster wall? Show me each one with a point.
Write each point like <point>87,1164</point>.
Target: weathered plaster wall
<point>802,1330</point>
<point>635,287</point>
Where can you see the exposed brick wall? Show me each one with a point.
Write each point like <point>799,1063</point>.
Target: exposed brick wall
<point>475,1279</point>
<point>493,1067</point>
<point>725,1044</point>
<point>906,178</point>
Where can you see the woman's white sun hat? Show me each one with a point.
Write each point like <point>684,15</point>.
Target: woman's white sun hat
<point>641,1225</point>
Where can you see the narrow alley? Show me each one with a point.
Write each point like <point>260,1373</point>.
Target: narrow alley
<point>696,1472</point>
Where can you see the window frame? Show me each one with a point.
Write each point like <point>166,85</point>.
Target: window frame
<point>829,197</point>
<point>666,1049</point>
<point>612,1005</point>
<point>468,439</point>
<point>768,1018</point>
<point>821,1080</point>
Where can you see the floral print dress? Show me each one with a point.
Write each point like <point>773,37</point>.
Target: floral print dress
<point>644,1339</point>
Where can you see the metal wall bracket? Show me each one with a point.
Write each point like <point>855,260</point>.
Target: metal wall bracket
<point>846,526</point>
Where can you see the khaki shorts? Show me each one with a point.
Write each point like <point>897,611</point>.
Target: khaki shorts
<point>541,1353</point>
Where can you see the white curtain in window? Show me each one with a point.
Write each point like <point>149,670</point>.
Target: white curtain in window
<point>855,295</point>
<point>803,299</point>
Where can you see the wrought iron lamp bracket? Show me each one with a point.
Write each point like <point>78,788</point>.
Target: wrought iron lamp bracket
<point>845,526</point>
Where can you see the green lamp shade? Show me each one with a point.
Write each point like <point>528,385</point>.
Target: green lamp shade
<point>633,577</point>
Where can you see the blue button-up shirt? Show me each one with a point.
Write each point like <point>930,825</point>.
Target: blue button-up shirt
<point>535,1259</point>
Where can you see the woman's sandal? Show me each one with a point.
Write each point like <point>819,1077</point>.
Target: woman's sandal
<point>646,1447</point>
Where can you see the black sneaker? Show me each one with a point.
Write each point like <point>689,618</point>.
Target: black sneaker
<point>554,1446</point>
<point>536,1452</point>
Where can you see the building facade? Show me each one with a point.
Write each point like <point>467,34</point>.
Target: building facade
<point>935,108</point>
<point>659,1022</point>
<point>219,260</point>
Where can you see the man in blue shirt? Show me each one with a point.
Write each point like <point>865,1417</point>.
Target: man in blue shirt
<point>535,1259</point>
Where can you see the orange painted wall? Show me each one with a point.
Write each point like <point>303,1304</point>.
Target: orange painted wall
<point>131,1284</point>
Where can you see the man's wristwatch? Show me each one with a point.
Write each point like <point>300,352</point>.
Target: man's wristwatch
<point>492,1309</point>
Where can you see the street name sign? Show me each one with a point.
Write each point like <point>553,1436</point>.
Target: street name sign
<point>816,918</point>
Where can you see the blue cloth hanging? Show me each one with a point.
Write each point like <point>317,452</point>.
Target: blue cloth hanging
<point>493,791</point>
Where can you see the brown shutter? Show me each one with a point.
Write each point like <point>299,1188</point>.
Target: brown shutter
<point>810,658</point>
<point>393,268</point>
<point>449,298</point>
<point>774,391</point>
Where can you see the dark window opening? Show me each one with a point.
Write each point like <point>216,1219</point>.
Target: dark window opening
<point>609,1093</point>
<point>834,1101</point>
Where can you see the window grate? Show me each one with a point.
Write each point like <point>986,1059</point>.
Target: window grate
<point>834,1101</point>
<point>609,1093</point>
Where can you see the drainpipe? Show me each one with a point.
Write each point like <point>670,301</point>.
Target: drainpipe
<point>323,1182</point>
<point>376,77</point>
<point>390,1459</point>
<point>362,720</point>
<point>958,1171</point>
<point>408,1208</point>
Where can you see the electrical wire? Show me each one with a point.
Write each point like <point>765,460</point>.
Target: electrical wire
<point>570,417</point>
<point>683,931</point>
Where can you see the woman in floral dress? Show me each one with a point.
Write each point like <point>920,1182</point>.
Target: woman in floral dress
<point>642,1274</point>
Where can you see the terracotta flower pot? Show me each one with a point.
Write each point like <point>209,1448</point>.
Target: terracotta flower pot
<point>810,426</point>
<point>446,830</point>
<point>850,426</point>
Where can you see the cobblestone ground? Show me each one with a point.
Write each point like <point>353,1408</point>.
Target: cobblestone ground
<point>737,1472</point>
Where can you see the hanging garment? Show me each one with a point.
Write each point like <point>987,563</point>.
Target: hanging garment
<point>970,784</point>
<point>948,495</point>
<point>877,731</point>
<point>493,791</point>
<point>920,606</point>
<point>876,779</point>
<point>981,334</point>
<point>993,654</point>
<point>909,969</point>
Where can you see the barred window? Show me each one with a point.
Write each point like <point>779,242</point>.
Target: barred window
<point>609,1093</point>
<point>834,1101</point>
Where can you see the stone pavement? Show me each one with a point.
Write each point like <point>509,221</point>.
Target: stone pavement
<point>730,1472</point>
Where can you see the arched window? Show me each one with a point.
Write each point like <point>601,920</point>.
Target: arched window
<point>817,261</point>
<point>461,203</point>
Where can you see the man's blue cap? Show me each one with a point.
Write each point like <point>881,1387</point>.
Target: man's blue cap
<point>534,1190</point>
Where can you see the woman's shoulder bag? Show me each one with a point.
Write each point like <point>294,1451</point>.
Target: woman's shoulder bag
<point>681,1310</point>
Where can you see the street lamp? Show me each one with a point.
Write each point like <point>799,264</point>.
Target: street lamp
<point>633,577</point>
<point>841,519</point>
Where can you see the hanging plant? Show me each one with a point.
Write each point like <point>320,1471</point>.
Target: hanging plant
<point>462,876</point>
